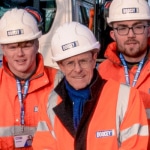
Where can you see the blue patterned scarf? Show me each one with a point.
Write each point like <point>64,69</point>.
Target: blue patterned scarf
<point>79,98</point>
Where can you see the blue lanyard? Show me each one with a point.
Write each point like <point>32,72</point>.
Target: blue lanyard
<point>126,70</point>
<point>21,97</point>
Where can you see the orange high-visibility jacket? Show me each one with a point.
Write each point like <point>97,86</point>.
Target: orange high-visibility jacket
<point>39,86</point>
<point>112,68</point>
<point>113,119</point>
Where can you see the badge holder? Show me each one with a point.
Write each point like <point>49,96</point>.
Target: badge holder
<point>23,141</point>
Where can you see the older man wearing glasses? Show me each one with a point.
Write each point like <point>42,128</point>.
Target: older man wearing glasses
<point>84,112</point>
<point>128,58</point>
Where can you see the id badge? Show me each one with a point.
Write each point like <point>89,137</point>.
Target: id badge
<point>23,141</point>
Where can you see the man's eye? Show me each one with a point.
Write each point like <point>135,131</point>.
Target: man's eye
<point>138,27</point>
<point>69,63</point>
<point>12,47</point>
<point>83,61</point>
<point>122,28</point>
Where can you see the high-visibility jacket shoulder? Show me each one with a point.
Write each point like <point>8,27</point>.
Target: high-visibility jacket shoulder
<point>112,68</point>
<point>117,121</point>
<point>39,86</point>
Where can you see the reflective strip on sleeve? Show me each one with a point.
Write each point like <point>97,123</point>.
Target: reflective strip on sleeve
<point>148,113</point>
<point>136,128</point>
<point>42,126</point>
<point>52,102</point>
<point>16,130</point>
<point>122,104</point>
<point>58,77</point>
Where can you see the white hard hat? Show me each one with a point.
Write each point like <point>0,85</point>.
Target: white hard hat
<point>17,25</point>
<point>72,39</point>
<point>122,10</point>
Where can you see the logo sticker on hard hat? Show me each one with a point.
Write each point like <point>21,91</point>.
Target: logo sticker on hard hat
<point>130,10</point>
<point>70,45</point>
<point>15,32</point>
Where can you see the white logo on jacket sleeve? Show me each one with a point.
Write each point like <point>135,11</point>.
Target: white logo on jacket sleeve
<point>105,133</point>
<point>35,109</point>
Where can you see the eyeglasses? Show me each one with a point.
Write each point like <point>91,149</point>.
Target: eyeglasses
<point>138,29</point>
<point>83,63</point>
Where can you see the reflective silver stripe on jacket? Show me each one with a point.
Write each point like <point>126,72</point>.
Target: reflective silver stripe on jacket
<point>52,102</point>
<point>133,130</point>
<point>122,104</point>
<point>148,113</point>
<point>42,126</point>
<point>16,130</point>
<point>58,77</point>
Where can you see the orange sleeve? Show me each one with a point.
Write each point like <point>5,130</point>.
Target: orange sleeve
<point>43,139</point>
<point>135,122</point>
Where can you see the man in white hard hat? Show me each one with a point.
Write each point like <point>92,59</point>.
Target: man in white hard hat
<point>128,57</point>
<point>24,81</point>
<point>84,112</point>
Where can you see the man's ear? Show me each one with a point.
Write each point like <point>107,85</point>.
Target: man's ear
<point>112,35</point>
<point>95,56</point>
